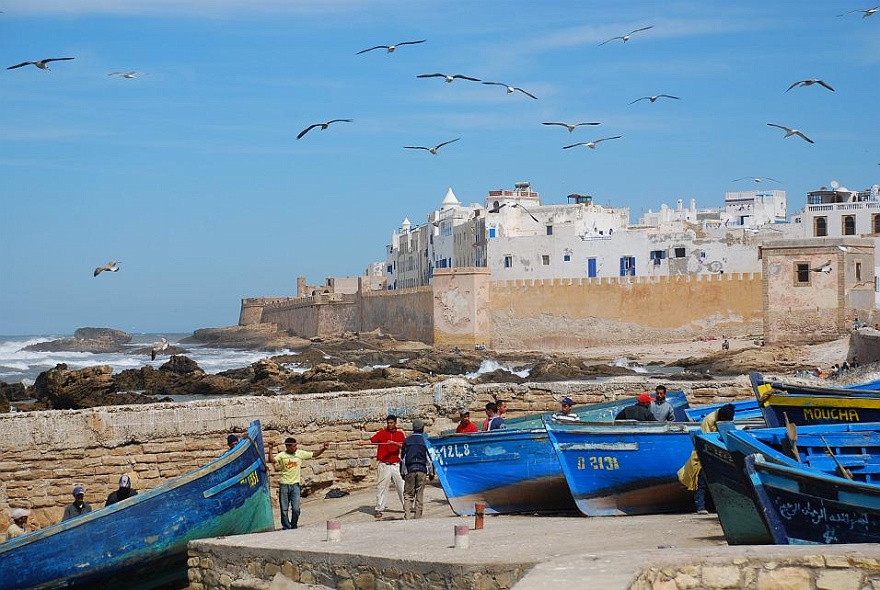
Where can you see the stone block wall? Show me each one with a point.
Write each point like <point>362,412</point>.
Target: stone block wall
<point>406,314</point>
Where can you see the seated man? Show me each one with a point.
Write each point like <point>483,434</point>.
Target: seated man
<point>640,411</point>
<point>122,493</point>
<point>565,414</point>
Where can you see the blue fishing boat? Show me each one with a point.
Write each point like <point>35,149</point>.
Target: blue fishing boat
<point>141,541</point>
<point>746,410</point>
<point>807,404</point>
<point>624,467</point>
<point>722,456</point>
<point>805,506</point>
<point>515,469</point>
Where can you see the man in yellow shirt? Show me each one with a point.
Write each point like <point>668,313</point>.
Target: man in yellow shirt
<point>289,463</point>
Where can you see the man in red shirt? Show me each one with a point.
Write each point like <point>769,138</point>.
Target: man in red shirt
<point>465,424</point>
<point>388,442</point>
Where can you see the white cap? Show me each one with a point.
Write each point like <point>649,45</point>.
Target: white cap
<point>20,513</point>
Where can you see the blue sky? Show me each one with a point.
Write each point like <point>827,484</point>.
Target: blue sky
<point>191,176</point>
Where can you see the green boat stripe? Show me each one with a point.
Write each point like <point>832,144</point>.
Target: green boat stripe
<point>232,480</point>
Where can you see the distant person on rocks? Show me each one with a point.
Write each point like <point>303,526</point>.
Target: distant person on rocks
<point>691,473</point>
<point>122,493</point>
<point>465,424</point>
<point>565,413</point>
<point>19,523</point>
<point>493,420</point>
<point>388,442</point>
<point>231,440</point>
<point>725,345</point>
<point>641,410</point>
<point>415,467</point>
<point>660,406</point>
<point>289,463</point>
<point>78,507</point>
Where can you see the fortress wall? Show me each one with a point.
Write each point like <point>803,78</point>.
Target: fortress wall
<point>566,314</point>
<point>406,314</point>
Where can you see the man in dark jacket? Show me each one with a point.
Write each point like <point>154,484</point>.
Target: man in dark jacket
<point>415,467</point>
<point>640,411</point>
<point>122,493</point>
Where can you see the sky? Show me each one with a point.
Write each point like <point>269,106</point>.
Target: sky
<point>190,174</point>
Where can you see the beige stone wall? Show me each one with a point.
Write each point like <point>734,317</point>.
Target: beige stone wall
<point>573,313</point>
<point>461,307</point>
<point>406,314</point>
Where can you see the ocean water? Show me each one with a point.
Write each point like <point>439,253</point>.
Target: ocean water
<point>21,366</point>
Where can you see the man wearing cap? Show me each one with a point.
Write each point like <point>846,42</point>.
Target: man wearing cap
<point>415,467</point>
<point>388,442</point>
<point>289,463</point>
<point>465,424</point>
<point>122,493</point>
<point>19,523</point>
<point>640,411</point>
<point>565,414</point>
<point>660,406</point>
<point>78,506</point>
<point>231,440</point>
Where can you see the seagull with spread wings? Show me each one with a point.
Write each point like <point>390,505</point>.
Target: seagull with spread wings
<point>810,82</point>
<point>391,48</point>
<point>112,266</point>
<point>591,144</point>
<point>128,75</point>
<point>40,63</point>
<point>434,149</point>
<point>866,12</point>
<point>517,205</point>
<point>655,97</point>
<point>826,268</point>
<point>158,347</point>
<point>448,78</point>
<point>789,132</point>
<point>755,179</point>
<point>511,89</point>
<point>323,126</point>
<point>570,126</point>
<point>626,37</point>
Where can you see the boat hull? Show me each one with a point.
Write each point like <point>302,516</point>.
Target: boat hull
<point>141,542</point>
<point>618,469</point>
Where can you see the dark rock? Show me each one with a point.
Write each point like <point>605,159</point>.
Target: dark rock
<point>61,388</point>
<point>95,340</point>
<point>13,391</point>
<point>117,336</point>
<point>181,365</point>
<point>253,337</point>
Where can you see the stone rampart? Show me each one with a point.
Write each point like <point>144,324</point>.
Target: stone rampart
<point>406,314</point>
<point>45,453</point>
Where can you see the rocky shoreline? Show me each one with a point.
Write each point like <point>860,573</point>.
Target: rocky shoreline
<point>356,362</point>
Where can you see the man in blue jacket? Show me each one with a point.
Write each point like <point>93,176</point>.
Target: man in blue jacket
<point>415,467</point>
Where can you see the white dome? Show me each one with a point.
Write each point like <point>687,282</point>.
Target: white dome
<point>449,200</point>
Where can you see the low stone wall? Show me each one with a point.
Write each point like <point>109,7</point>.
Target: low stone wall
<point>45,453</point>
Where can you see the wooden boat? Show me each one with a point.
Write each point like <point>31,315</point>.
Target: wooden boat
<point>141,541</point>
<point>722,456</point>
<point>624,467</point>
<point>806,404</point>
<point>514,469</point>
<point>806,506</point>
<point>744,411</point>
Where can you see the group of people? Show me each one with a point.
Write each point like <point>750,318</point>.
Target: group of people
<point>649,409</point>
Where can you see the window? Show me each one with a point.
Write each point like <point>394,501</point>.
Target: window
<point>566,258</point>
<point>802,274</point>
<point>627,266</point>
<point>389,269</point>
<point>549,230</point>
<point>858,271</point>
<point>545,259</point>
<point>849,225</point>
<point>508,261</point>
<point>820,227</point>
<point>492,232</point>
<point>875,223</point>
<point>678,252</point>
<point>657,256</point>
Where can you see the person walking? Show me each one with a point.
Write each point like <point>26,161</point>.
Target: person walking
<point>122,493</point>
<point>388,442</point>
<point>415,467</point>
<point>78,506</point>
<point>660,406</point>
<point>691,473</point>
<point>289,463</point>
<point>19,523</point>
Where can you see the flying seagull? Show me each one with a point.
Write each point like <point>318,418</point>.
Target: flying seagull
<point>391,48</point>
<point>322,126</point>
<point>810,82</point>
<point>570,126</point>
<point>112,266</point>
<point>511,89</point>
<point>448,78</point>
<point>512,205</point>
<point>591,144</point>
<point>789,132</point>
<point>826,268</point>
<point>865,12</point>
<point>434,149</point>
<point>655,97</point>
<point>129,75</point>
<point>158,347</point>
<point>755,179</point>
<point>41,63</point>
<point>626,37</point>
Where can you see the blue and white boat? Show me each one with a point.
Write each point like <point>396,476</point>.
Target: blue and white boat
<point>805,506</point>
<point>141,541</point>
<point>746,410</point>
<point>624,467</point>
